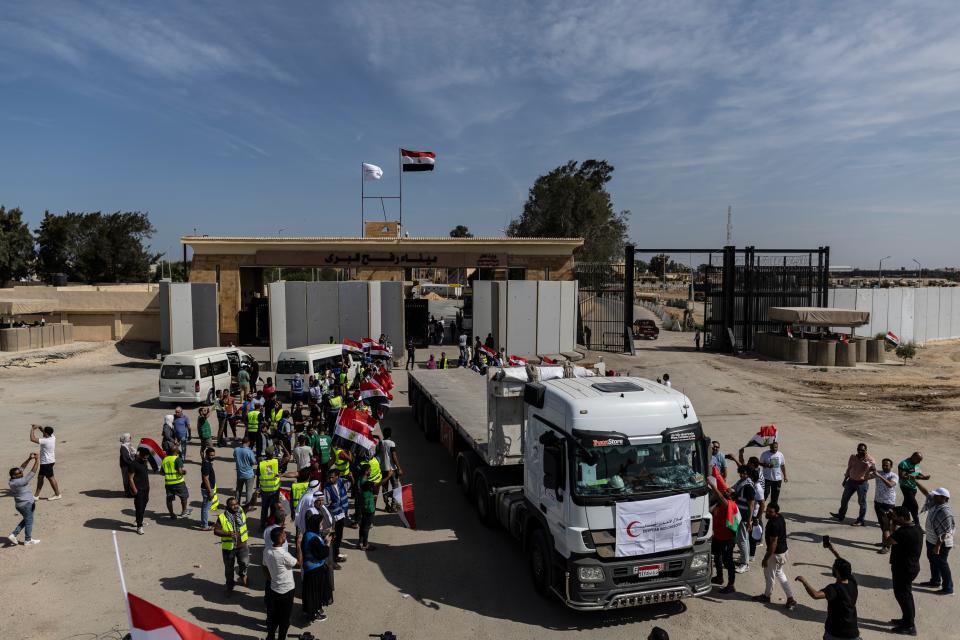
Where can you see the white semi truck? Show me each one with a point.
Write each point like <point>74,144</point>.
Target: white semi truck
<point>563,463</point>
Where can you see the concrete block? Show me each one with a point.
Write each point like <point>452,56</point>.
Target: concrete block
<point>521,338</point>
<point>323,312</point>
<point>875,351</point>
<point>46,336</point>
<point>36,337</point>
<point>799,350</point>
<point>862,349</point>
<point>205,315</point>
<point>822,353</point>
<point>391,316</point>
<point>548,317</point>
<point>67,332</point>
<point>354,310</point>
<point>57,333</point>
<point>846,354</point>
<point>295,294</point>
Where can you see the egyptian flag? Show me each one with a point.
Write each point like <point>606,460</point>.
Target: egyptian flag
<point>349,346</point>
<point>721,483</point>
<point>373,393</point>
<point>150,622</point>
<point>366,342</point>
<point>733,516</point>
<point>765,437</point>
<point>384,379</point>
<point>546,360</point>
<point>403,496</point>
<point>516,361</point>
<point>355,429</point>
<point>378,350</point>
<point>893,338</point>
<point>487,351</point>
<point>155,450</point>
<point>844,338</point>
<point>417,160</point>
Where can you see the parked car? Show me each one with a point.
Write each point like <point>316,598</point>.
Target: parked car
<point>646,329</point>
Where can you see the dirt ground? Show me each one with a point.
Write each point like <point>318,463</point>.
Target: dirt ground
<point>453,578</point>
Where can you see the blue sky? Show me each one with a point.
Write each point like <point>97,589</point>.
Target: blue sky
<point>820,123</point>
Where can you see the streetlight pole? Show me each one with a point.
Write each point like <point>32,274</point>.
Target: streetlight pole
<point>919,270</point>
<point>880,271</point>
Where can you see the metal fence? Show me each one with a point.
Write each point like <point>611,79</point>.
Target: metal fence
<point>600,306</point>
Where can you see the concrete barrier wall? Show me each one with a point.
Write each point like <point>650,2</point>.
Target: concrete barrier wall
<point>921,314</point>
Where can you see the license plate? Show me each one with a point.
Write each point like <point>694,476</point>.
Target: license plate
<point>177,389</point>
<point>647,570</point>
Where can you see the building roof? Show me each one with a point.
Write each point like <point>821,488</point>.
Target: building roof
<point>252,244</point>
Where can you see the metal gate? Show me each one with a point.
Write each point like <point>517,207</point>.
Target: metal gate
<point>600,309</point>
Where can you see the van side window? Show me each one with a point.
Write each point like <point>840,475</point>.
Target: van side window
<point>205,370</point>
<point>219,367</point>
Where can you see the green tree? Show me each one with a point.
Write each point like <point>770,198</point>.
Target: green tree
<point>658,265</point>
<point>16,246</point>
<point>570,202</point>
<point>460,231</point>
<point>906,351</point>
<point>96,247</point>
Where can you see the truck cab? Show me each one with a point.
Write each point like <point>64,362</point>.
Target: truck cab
<point>615,492</point>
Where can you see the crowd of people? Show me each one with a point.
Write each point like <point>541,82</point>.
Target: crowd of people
<point>288,459</point>
<point>747,514</point>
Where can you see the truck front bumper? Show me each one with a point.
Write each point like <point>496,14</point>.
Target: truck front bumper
<point>620,590</point>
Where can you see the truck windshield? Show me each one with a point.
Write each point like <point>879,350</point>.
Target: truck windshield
<point>629,470</point>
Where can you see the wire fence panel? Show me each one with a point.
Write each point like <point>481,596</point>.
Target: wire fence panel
<point>600,310</point>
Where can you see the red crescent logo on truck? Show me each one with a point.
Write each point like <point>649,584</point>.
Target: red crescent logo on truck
<point>630,527</point>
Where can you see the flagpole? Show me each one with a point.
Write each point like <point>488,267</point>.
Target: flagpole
<point>361,200</point>
<point>400,177</point>
<point>123,583</point>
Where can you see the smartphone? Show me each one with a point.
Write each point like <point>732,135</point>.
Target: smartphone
<point>826,542</point>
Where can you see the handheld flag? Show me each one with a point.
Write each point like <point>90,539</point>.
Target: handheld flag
<point>349,346</point>
<point>417,160</point>
<point>487,351</point>
<point>373,393</point>
<point>733,516</point>
<point>763,438</point>
<point>721,483</point>
<point>150,622</point>
<point>367,342</point>
<point>893,338</point>
<point>155,450</point>
<point>384,379</point>
<point>371,172</point>
<point>355,429</point>
<point>403,496</point>
<point>379,351</point>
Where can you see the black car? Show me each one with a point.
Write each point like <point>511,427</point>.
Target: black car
<point>646,329</point>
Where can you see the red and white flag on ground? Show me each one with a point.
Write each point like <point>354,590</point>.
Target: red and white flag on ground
<point>372,392</point>
<point>356,428</point>
<point>417,160</point>
<point>155,450</point>
<point>765,437</point>
<point>350,346</point>
<point>150,622</point>
<point>487,351</point>
<point>893,338</point>
<point>403,496</point>
<point>516,361</point>
<point>546,360</point>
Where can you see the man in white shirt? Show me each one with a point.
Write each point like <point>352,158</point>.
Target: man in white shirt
<point>774,473</point>
<point>48,443</point>
<point>462,342</point>
<point>279,565</point>
<point>884,498</point>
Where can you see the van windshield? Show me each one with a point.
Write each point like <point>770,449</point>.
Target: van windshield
<point>629,470</point>
<point>178,372</point>
<point>290,367</point>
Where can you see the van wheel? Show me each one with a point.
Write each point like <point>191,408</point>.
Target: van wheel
<point>482,500</point>
<point>210,397</point>
<point>540,562</point>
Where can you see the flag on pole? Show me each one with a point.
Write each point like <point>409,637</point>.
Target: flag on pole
<point>378,350</point>
<point>373,393</point>
<point>721,483</point>
<point>893,338</point>
<point>367,342</point>
<point>490,353</point>
<point>349,346</point>
<point>372,172</point>
<point>765,437</point>
<point>546,360</point>
<point>516,361</point>
<point>150,622</point>
<point>733,516</point>
<point>384,379</point>
<point>155,450</point>
<point>356,429</point>
<point>417,160</point>
<point>403,496</point>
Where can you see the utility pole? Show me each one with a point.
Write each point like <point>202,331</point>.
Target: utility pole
<point>919,271</point>
<point>880,271</point>
<point>729,225</point>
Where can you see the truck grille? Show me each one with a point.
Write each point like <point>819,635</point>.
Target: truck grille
<point>650,597</point>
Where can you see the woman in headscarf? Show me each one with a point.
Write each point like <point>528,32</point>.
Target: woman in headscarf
<point>314,553</point>
<point>168,436</point>
<point>127,453</point>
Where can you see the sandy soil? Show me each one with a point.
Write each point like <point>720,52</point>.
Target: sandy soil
<point>453,578</point>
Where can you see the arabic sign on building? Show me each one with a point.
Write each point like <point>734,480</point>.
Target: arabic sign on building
<point>379,259</point>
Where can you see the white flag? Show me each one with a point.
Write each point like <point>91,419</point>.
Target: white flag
<point>372,172</point>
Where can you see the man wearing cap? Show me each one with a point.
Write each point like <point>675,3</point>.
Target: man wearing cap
<point>940,527</point>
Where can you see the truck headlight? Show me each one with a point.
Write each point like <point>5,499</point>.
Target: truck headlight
<point>700,560</point>
<point>591,574</point>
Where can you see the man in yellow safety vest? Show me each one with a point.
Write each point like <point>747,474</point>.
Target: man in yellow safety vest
<point>232,530</point>
<point>253,429</point>
<point>174,483</point>
<point>442,364</point>
<point>268,477</point>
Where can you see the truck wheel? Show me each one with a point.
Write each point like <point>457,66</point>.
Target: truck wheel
<point>463,476</point>
<point>540,562</point>
<point>483,501</point>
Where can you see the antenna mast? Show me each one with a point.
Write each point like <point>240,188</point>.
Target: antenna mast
<point>729,225</point>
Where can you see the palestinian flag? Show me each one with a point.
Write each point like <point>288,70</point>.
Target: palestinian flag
<point>721,483</point>
<point>763,438</point>
<point>403,496</point>
<point>373,393</point>
<point>155,450</point>
<point>487,351</point>
<point>417,160</point>
<point>546,360</point>
<point>367,342</point>
<point>150,622</point>
<point>893,338</point>
<point>516,361</point>
<point>733,516</point>
<point>349,346</point>
<point>355,429</point>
